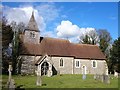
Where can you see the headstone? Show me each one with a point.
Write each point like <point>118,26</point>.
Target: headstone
<point>106,79</point>
<point>39,78</point>
<point>95,76</point>
<point>116,74</point>
<point>103,78</point>
<point>39,81</point>
<point>49,73</point>
<point>84,76</point>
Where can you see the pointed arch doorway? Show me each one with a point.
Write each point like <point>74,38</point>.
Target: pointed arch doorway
<point>44,68</point>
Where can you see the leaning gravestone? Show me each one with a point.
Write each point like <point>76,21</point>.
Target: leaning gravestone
<point>10,83</point>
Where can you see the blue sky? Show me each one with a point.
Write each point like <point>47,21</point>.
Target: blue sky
<point>52,17</point>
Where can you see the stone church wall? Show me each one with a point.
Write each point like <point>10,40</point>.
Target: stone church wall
<point>100,69</point>
<point>67,65</point>
<point>28,66</point>
<point>28,38</point>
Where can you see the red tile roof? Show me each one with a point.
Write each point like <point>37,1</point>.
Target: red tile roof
<point>60,47</point>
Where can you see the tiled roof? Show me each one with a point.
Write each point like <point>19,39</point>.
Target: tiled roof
<point>60,47</point>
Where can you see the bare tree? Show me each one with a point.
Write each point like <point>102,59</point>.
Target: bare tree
<point>90,37</point>
<point>104,40</point>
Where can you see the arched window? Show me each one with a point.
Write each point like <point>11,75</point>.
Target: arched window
<point>77,63</point>
<point>61,62</point>
<point>94,64</point>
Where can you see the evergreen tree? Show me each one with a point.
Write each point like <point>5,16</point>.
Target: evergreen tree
<point>7,36</point>
<point>115,56</point>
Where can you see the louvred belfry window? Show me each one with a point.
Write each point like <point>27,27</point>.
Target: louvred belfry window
<point>32,34</point>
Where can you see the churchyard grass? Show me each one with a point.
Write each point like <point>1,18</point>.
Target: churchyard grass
<point>60,81</point>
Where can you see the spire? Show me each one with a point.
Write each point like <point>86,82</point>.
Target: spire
<point>32,25</point>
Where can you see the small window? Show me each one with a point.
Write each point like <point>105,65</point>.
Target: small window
<point>94,64</point>
<point>77,64</point>
<point>61,62</point>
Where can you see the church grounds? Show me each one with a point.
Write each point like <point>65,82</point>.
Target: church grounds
<point>60,81</point>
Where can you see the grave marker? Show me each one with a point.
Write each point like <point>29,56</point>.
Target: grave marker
<point>11,82</point>
<point>39,78</point>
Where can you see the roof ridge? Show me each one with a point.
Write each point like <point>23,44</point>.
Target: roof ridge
<point>56,39</point>
<point>84,44</point>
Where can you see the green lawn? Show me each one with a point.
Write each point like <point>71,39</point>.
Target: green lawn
<point>63,81</point>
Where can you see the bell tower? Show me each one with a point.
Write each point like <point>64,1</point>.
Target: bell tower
<point>32,32</point>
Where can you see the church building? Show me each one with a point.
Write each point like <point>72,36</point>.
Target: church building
<point>52,56</point>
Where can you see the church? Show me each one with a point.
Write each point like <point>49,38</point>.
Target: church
<point>52,56</point>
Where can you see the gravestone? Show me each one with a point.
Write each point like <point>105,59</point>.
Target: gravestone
<point>39,78</point>
<point>49,73</point>
<point>103,78</point>
<point>115,74</point>
<point>106,79</point>
<point>95,76</point>
<point>84,76</point>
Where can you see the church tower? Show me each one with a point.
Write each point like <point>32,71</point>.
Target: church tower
<point>32,32</point>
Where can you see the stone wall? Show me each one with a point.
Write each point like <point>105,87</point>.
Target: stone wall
<point>29,39</point>
<point>67,65</point>
<point>100,69</point>
<point>29,67</point>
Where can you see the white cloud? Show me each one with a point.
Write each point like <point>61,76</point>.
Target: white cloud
<point>72,32</point>
<point>43,13</point>
<point>67,30</point>
<point>23,14</point>
<point>48,11</point>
